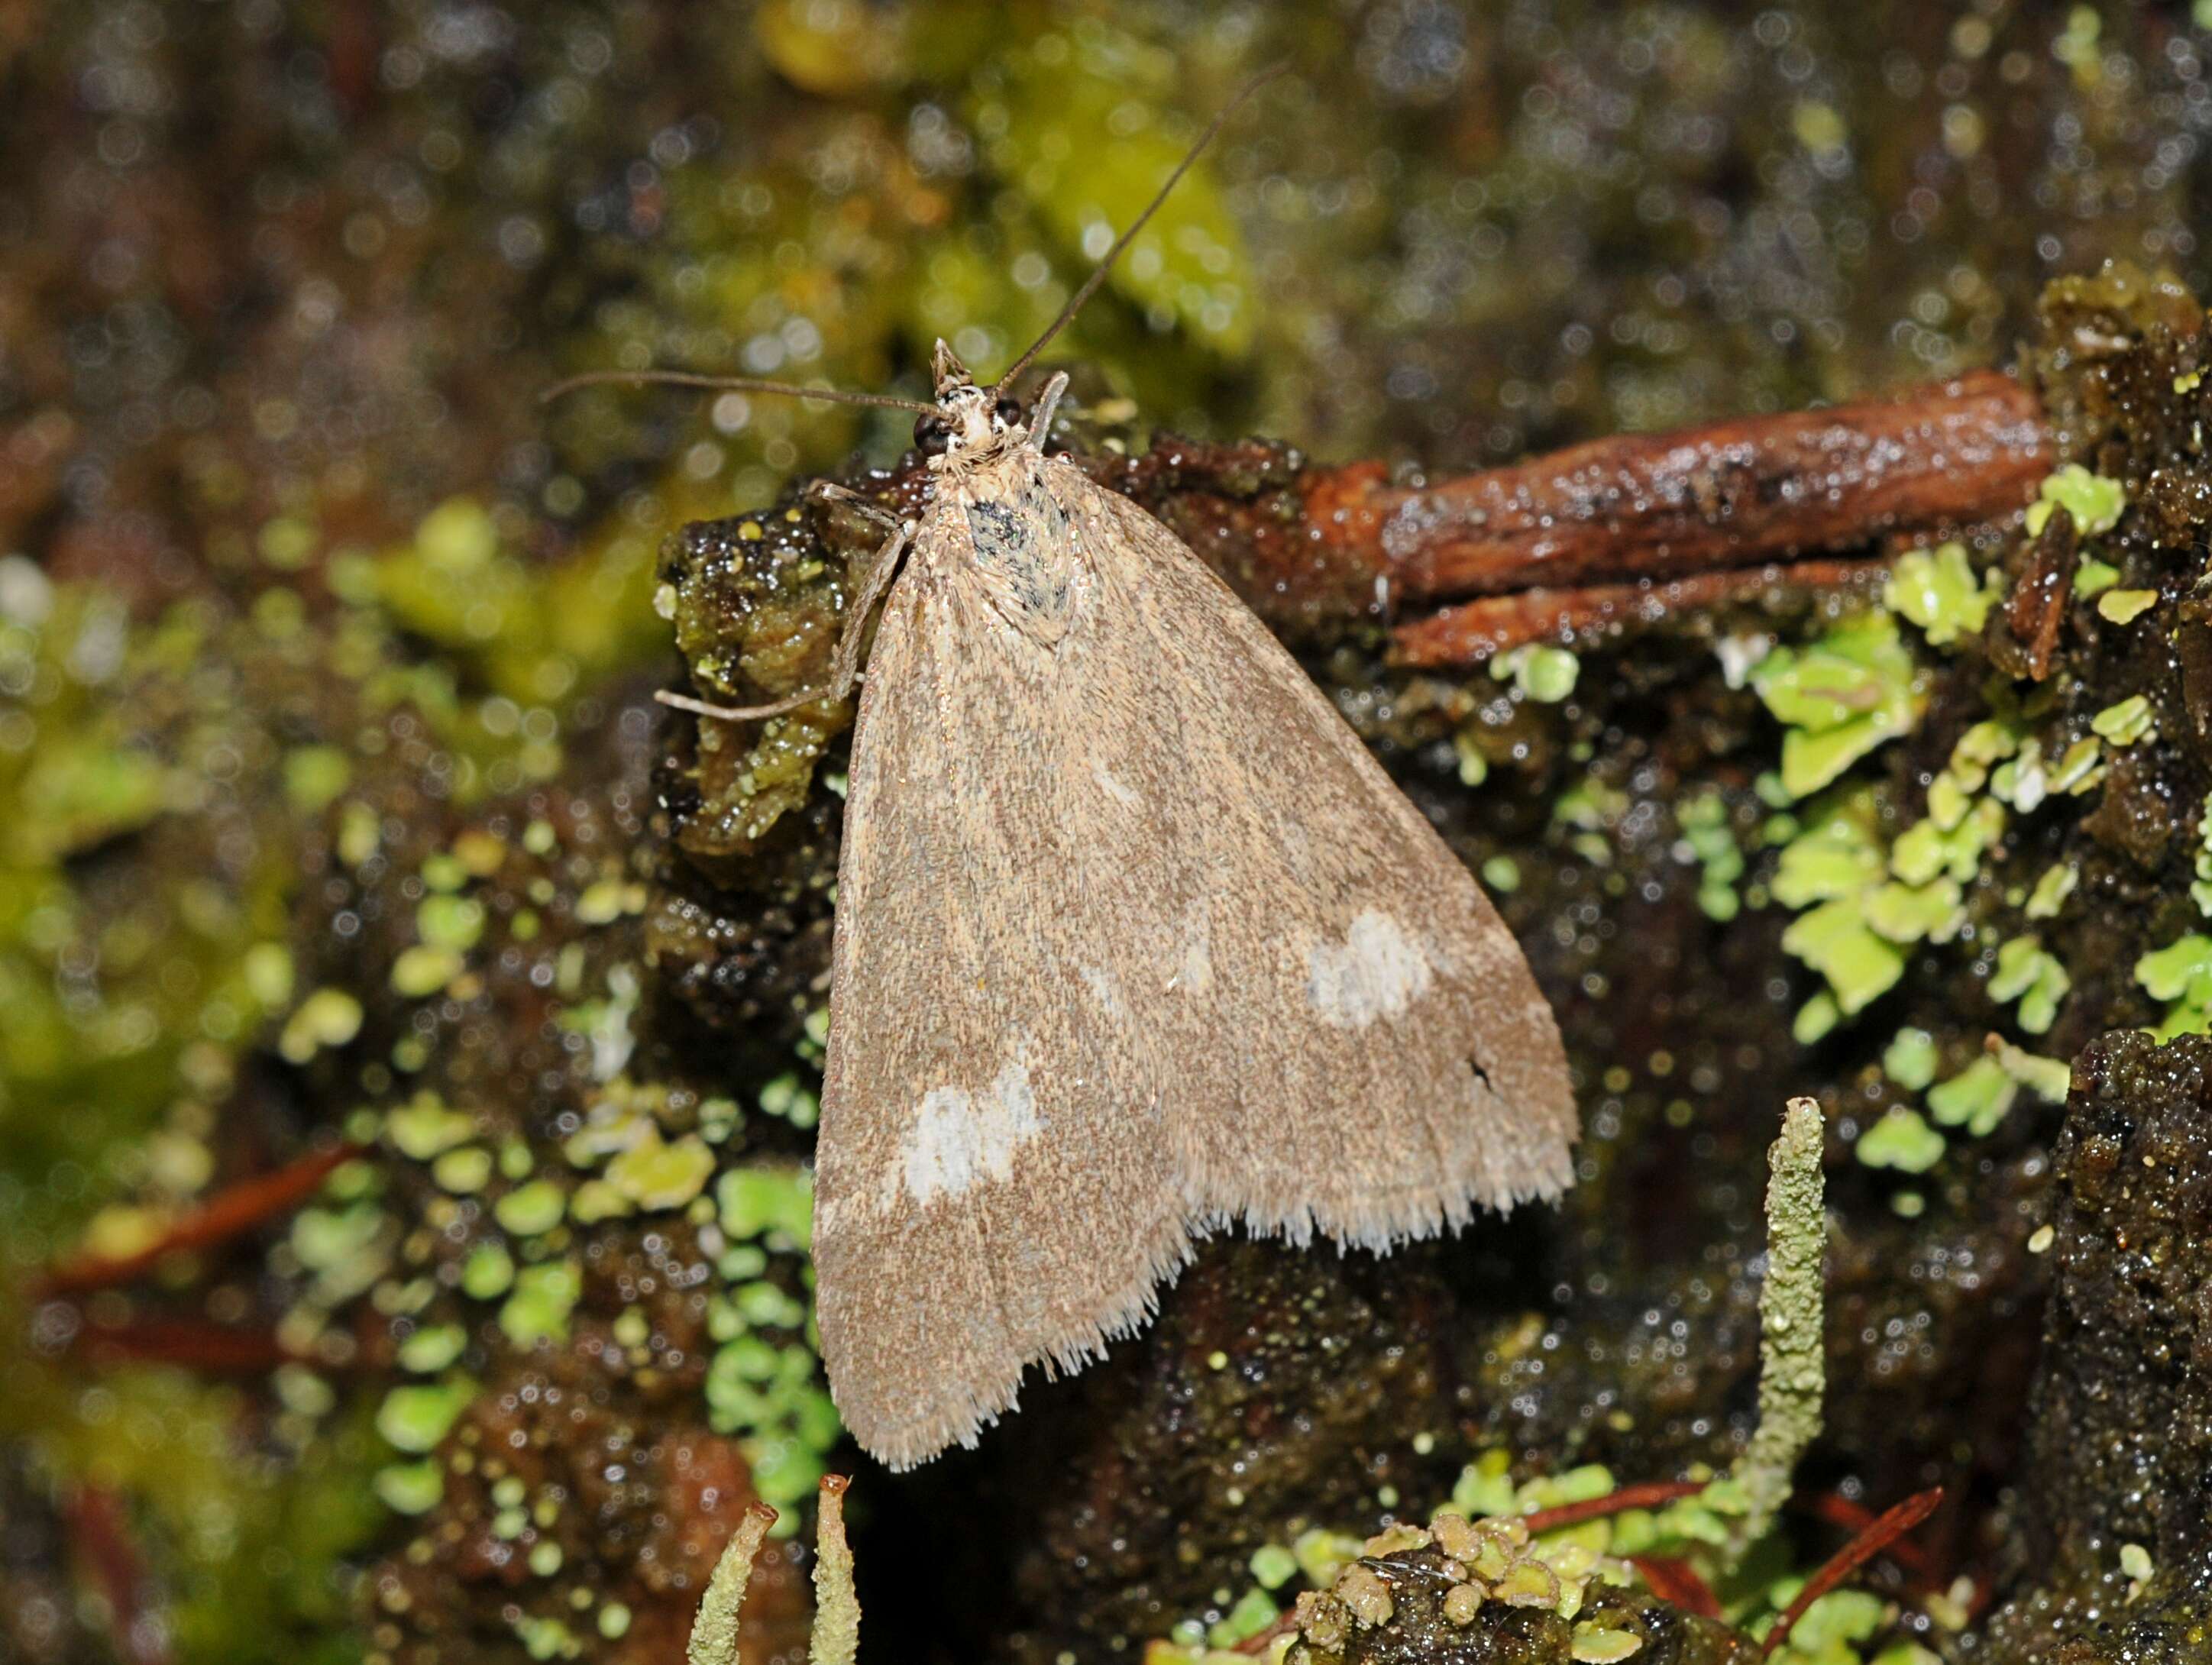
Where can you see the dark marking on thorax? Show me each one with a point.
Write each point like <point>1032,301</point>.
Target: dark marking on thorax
<point>1025,555</point>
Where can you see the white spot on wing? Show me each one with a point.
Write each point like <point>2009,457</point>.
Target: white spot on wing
<point>1377,971</point>
<point>1104,990</point>
<point>958,1137</point>
<point>1119,791</point>
<point>1193,969</point>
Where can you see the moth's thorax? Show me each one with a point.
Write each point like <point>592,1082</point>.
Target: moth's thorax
<point>1015,539</point>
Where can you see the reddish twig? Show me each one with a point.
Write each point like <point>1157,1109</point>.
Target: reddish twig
<point>1732,493</point>
<point>1840,1511</point>
<point>1650,1496</point>
<point>209,1349</point>
<point>100,1531</point>
<point>1472,631</point>
<point>229,1214</point>
<point>1887,1527</point>
<point>1674,1580</point>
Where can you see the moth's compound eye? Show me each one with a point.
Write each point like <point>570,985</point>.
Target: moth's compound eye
<point>931,435</point>
<point>1008,410</point>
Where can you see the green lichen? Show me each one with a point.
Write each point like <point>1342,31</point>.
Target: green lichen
<point>543,1297</point>
<point>837,1636</point>
<point>2181,974</point>
<point>1902,1140</point>
<point>1938,591</point>
<point>1542,673</point>
<point>652,1174</point>
<point>2093,577</point>
<point>1976,1099</point>
<point>2125,606</point>
<point>2028,973</point>
<point>1793,1373</point>
<point>1708,839</point>
<point>2094,502</point>
<point>1910,1059</point>
<point>327,1017</point>
<point>1840,697</point>
<point>2125,722</point>
<point>414,1418</point>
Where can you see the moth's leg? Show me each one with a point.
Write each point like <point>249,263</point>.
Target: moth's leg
<point>829,491</point>
<point>876,576</point>
<point>1048,403</point>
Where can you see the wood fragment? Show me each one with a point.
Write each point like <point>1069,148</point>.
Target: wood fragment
<point>2037,605</point>
<point>1934,458</point>
<point>1474,630</point>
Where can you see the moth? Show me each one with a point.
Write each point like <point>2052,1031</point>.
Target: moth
<point>1134,940</point>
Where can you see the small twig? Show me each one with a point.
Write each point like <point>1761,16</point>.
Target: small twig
<point>1891,1525</point>
<point>228,1214</point>
<point>100,1528</point>
<point>1472,631</point>
<point>1650,1496</point>
<point>192,1344</point>
<point>1840,1511</point>
<point>1732,493</point>
<point>1673,1579</point>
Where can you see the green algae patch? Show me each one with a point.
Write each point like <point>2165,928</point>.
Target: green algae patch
<point>2094,502</point>
<point>654,1175</point>
<point>415,1419</point>
<point>2181,975</point>
<point>1937,590</point>
<point>543,1297</point>
<point>1541,672</point>
<point>1838,698</point>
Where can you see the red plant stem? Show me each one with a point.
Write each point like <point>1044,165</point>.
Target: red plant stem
<point>1841,1511</point>
<point>99,1529</point>
<point>209,1349</point>
<point>235,1210</point>
<point>1472,631</point>
<point>1889,1526</point>
<point>1650,1496</point>
<point>1674,1580</point>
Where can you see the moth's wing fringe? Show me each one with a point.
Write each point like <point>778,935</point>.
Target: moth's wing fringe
<point>1056,1059</point>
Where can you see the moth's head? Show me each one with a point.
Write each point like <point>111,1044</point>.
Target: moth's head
<point>967,419</point>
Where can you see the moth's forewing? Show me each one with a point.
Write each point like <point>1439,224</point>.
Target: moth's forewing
<point>1133,937</point>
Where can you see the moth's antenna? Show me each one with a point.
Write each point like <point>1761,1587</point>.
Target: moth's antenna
<point>728,384</point>
<point>1098,272</point>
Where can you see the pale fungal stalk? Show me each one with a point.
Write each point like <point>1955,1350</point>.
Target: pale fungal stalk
<point>1792,1361</point>
<point>837,1638</point>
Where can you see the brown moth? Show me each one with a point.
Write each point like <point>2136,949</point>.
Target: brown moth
<point>1134,939</point>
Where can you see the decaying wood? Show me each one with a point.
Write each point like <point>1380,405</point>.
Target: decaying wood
<point>2039,601</point>
<point>1474,630</point>
<point>1604,530</point>
<point>1730,495</point>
